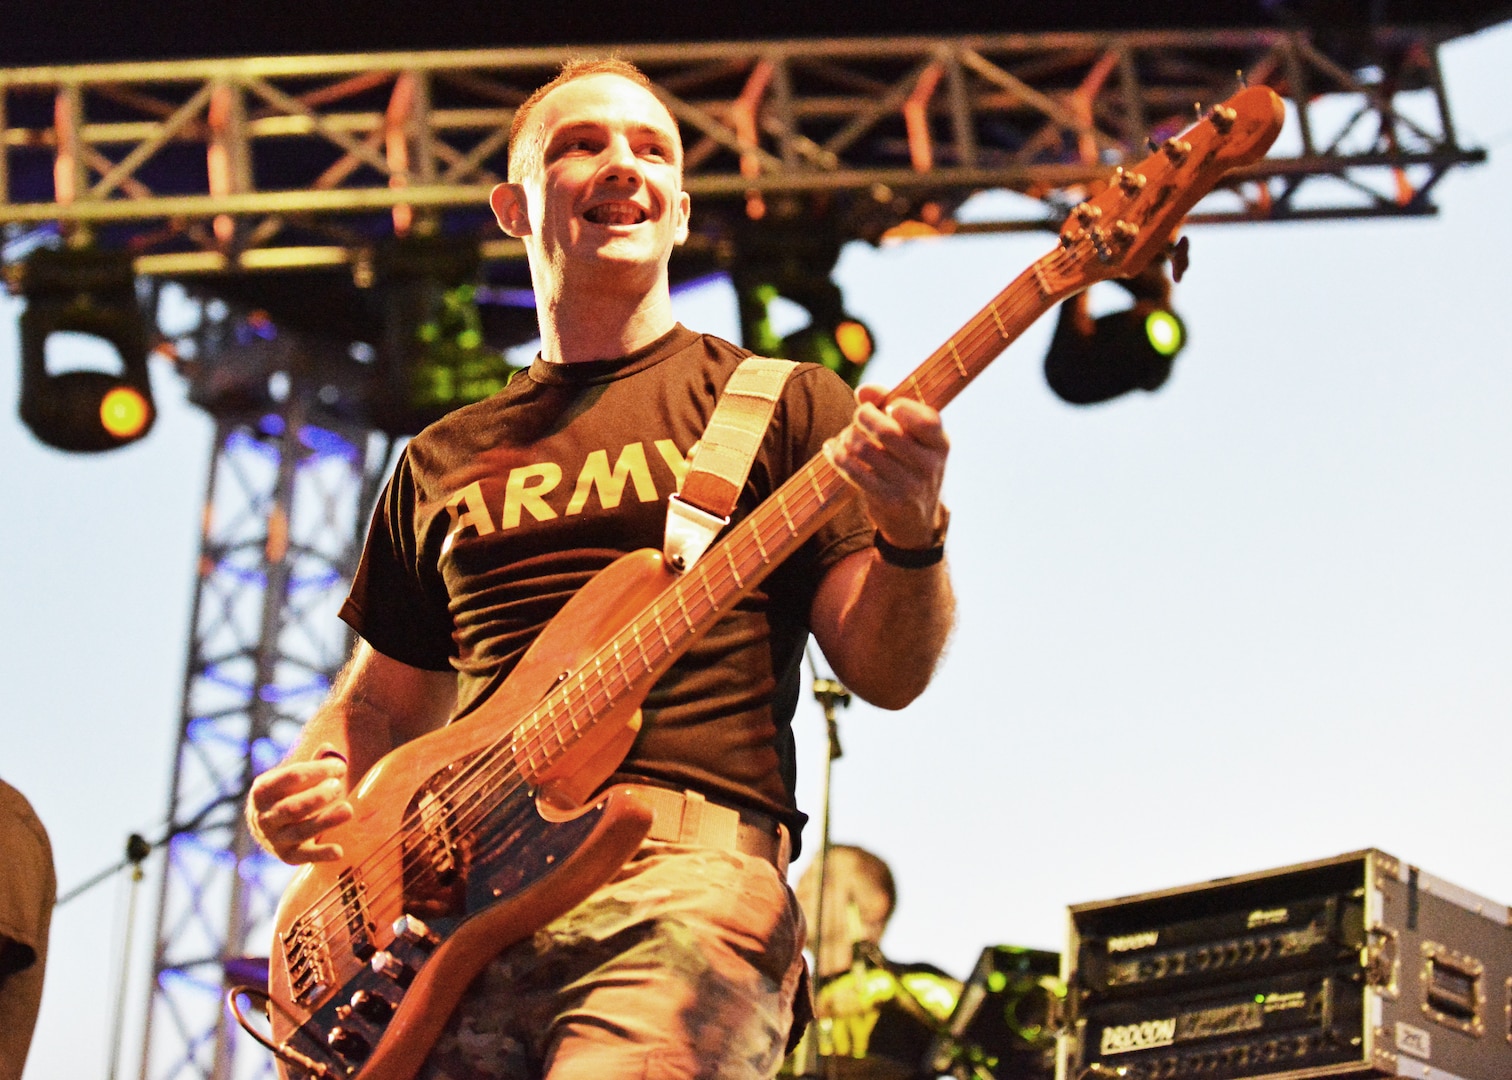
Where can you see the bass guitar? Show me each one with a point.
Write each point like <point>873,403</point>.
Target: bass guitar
<point>471,838</point>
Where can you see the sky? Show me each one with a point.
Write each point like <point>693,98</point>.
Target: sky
<point>1259,617</point>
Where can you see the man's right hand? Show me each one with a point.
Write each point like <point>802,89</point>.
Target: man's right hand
<point>290,805</point>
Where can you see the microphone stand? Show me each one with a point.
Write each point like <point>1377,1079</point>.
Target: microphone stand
<point>830,695</point>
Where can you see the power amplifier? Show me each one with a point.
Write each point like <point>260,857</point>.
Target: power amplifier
<point>1354,966</point>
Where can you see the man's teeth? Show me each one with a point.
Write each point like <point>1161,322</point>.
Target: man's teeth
<point>616,214</point>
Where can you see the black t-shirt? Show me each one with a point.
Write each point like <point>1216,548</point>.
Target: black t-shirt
<point>499,512</point>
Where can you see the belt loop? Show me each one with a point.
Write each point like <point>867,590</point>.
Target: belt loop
<point>690,831</point>
<point>709,823</point>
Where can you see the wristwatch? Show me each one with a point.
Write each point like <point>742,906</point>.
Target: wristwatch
<point>915,558</point>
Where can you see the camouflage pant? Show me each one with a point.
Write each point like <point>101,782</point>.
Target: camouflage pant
<point>684,965</point>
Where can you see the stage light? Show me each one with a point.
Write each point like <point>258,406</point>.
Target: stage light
<point>1165,332</point>
<point>839,341</point>
<point>91,293</point>
<point>854,341</point>
<point>1093,360</point>
<point>433,348</point>
<point>844,347</point>
<point>791,255</point>
<point>124,413</point>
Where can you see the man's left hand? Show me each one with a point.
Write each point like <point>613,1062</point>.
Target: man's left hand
<point>895,457</point>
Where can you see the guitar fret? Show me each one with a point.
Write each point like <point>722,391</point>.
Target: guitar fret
<point>1001,329</point>
<point>596,687</point>
<point>598,675</point>
<point>640,645</point>
<point>734,570</point>
<point>1041,280</point>
<point>956,353</point>
<point>683,607</point>
<point>813,479</point>
<point>574,704</point>
<point>787,517</point>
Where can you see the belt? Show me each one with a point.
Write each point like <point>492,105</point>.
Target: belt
<point>686,817</point>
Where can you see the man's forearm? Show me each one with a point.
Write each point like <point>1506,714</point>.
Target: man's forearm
<point>889,629</point>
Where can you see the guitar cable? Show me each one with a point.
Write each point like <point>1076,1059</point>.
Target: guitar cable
<point>283,1051</point>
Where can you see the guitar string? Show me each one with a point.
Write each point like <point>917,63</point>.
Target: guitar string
<point>938,372</point>
<point>485,769</point>
<point>486,781</point>
<point>975,330</point>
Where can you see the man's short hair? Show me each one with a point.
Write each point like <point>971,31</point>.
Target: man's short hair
<point>572,70</point>
<point>868,866</point>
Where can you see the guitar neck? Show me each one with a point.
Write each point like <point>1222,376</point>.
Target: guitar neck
<point>742,559</point>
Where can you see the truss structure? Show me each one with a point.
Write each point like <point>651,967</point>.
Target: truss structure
<point>281,162</point>
<point>288,493</point>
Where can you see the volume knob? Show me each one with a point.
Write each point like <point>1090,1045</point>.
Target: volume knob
<point>374,1007</point>
<point>348,1043</point>
<point>415,932</point>
<point>386,963</point>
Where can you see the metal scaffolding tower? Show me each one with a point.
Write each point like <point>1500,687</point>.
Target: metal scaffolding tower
<point>288,495</point>
<point>279,168</point>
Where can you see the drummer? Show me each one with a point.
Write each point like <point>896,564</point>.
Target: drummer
<point>878,1017</point>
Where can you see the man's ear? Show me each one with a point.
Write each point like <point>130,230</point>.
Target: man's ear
<point>684,207</point>
<point>508,202</point>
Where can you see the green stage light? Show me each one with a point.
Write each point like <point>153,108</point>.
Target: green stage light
<point>1093,360</point>
<point>433,352</point>
<point>1165,332</point>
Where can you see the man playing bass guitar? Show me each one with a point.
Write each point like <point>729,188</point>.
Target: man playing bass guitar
<point>687,961</point>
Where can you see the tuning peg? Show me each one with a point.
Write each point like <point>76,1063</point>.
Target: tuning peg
<point>1243,82</point>
<point>1180,257</point>
<point>1086,213</point>
<point>1131,182</point>
<point>1154,147</point>
<point>1176,149</point>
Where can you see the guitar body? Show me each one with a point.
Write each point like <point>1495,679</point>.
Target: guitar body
<point>479,873</point>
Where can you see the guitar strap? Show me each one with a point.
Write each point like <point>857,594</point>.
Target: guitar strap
<point>722,459</point>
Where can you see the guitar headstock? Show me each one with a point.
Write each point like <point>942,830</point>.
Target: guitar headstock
<point>1118,233</point>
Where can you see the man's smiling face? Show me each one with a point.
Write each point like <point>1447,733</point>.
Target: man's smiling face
<point>602,176</point>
